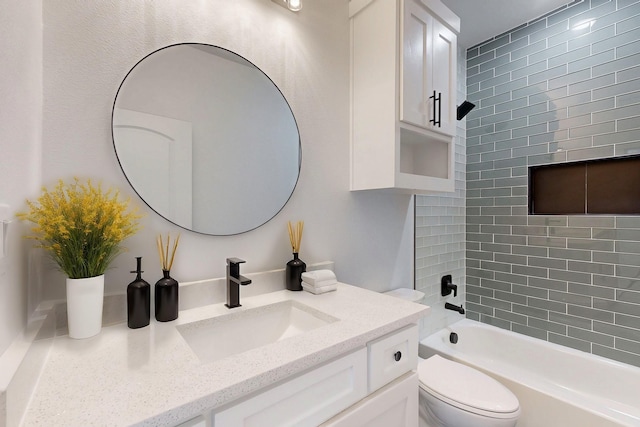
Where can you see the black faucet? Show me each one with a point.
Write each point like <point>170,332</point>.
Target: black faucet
<point>446,286</point>
<point>449,306</point>
<point>234,280</point>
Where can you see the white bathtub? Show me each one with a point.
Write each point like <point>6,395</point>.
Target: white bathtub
<point>556,385</point>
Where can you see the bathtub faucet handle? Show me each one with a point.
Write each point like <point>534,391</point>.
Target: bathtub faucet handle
<point>446,286</point>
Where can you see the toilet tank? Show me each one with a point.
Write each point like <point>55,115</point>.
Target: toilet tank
<point>407,294</point>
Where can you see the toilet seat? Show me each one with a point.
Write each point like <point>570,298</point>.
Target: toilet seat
<point>466,388</point>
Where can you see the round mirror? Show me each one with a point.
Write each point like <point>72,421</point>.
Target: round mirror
<point>206,139</point>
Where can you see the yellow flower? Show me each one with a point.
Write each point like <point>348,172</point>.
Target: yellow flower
<point>81,226</point>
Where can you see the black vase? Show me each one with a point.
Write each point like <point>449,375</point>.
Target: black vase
<point>295,268</point>
<point>138,300</point>
<point>166,298</point>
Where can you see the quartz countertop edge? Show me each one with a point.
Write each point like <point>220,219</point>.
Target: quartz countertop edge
<point>151,377</point>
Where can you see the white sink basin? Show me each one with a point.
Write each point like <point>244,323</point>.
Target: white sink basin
<point>239,331</point>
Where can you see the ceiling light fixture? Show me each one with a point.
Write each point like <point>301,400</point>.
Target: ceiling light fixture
<point>292,5</point>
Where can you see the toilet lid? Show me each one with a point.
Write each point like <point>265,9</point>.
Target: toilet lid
<point>465,387</point>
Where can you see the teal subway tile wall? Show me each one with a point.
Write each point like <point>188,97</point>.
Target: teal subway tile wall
<point>565,87</point>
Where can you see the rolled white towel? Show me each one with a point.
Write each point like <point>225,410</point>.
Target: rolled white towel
<point>319,290</point>
<point>312,277</point>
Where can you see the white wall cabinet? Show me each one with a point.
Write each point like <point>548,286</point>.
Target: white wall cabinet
<point>403,95</point>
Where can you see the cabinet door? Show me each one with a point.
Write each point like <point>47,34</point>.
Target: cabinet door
<point>415,106</point>
<point>304,401</point>
<point>395,405</point>
<point>444,60</point>
<point>428,71</point>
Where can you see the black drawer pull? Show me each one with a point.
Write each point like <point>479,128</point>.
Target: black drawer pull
<point>397,356</point>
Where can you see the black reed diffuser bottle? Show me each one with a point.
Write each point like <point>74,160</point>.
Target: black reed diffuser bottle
<point>166,298</point>
<point>296,266</point>
<point>138,300</point>
<point>166,289</point>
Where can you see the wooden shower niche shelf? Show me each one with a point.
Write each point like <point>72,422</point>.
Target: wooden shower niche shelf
<point>592,187</point>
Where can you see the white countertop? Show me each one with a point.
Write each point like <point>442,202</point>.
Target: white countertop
<point>151,377</point>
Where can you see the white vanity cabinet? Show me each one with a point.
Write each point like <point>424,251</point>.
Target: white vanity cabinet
<point>351,359</point>
<point>306,400</point>
<point>403,95</point>
<point>373,386</point>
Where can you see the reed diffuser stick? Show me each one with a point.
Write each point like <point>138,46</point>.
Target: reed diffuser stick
<point>166,261</point>
<point>295,235</point>
<point>300,229</point>
<point>160,251</point>
<point>291,238</point>
<point>166,253</point>
<point>173,252</point>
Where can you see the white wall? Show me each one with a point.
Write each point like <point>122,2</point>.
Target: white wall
<point>90,46</point>
<point>20,140</point>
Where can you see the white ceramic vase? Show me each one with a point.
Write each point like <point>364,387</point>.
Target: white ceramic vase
<point>84,306</point>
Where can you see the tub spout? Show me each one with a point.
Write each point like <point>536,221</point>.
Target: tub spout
<point>450,306</point>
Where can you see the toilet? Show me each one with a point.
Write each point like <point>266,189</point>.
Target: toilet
<point>407,294</point>
<point>456,395</point>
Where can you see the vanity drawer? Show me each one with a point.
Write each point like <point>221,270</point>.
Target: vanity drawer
<point>392,355</point>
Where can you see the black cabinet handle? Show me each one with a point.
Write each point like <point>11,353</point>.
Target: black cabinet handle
<point>397,356</point>
<point>434,108</point>
<point>439,109</point>
<point>437,113</point>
